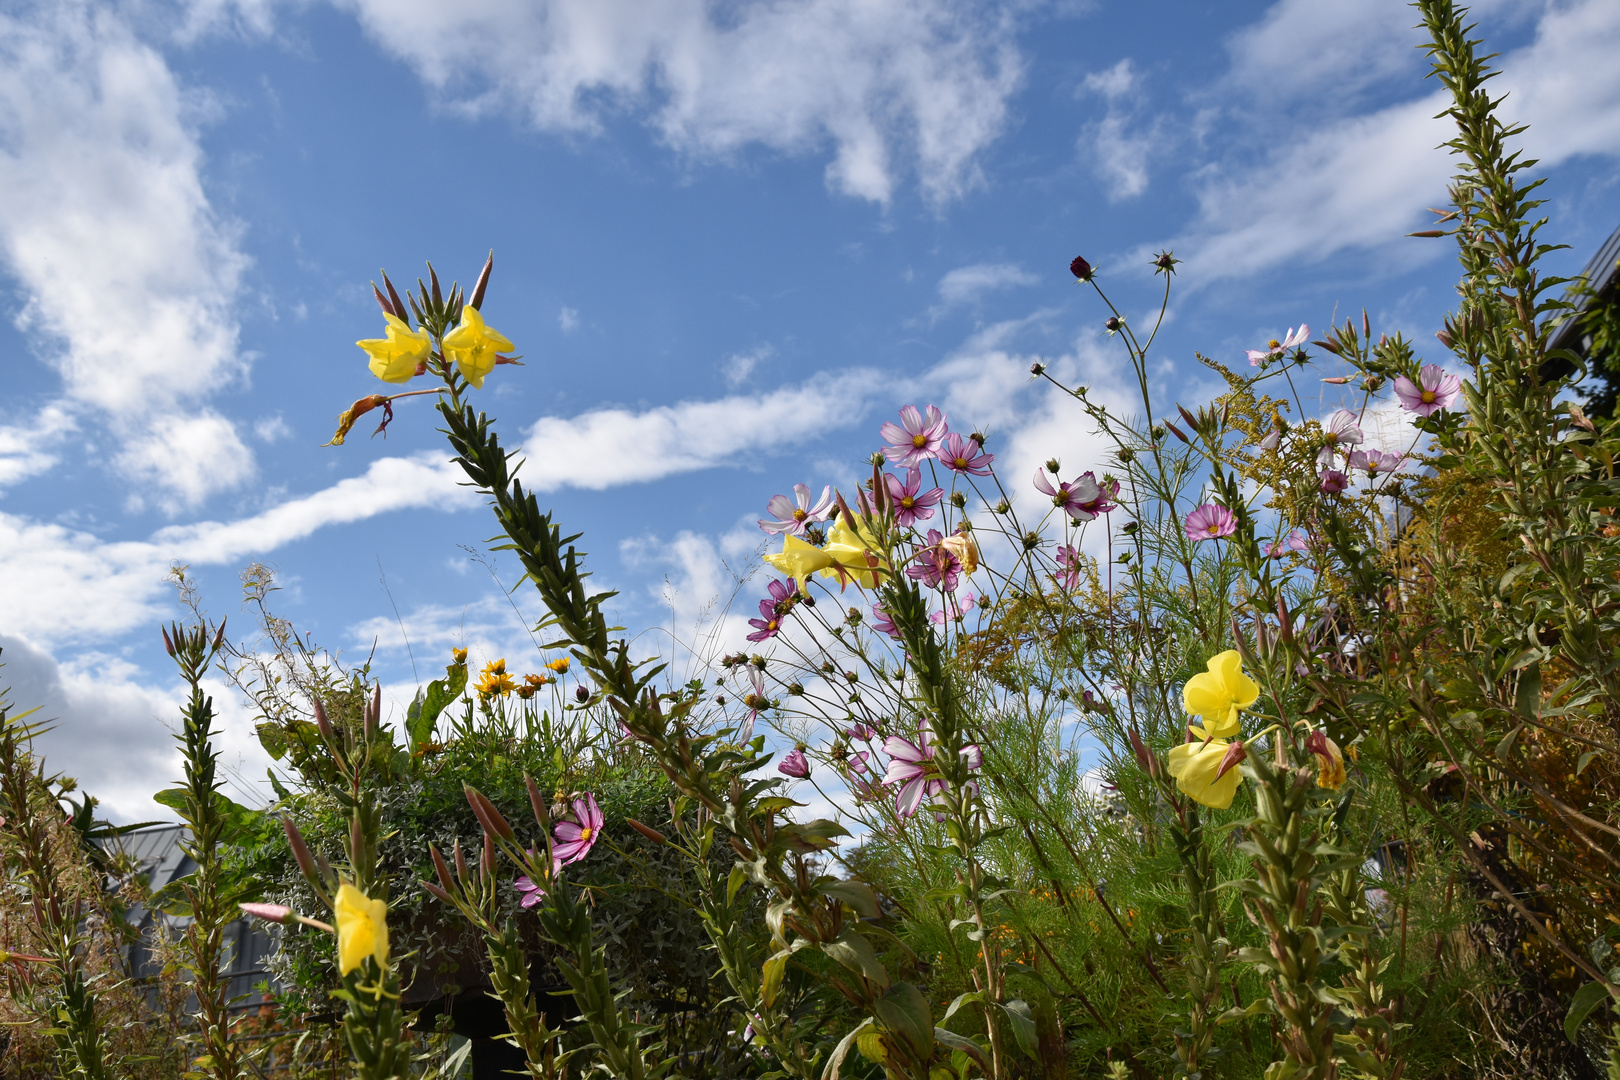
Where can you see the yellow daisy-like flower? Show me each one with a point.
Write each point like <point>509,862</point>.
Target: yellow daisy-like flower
<point>395,358</point>
<point>1206,770</point>
<point>473,346</point>
<point>559,665</point>
<point>362,928</point>
<point>1220,693</point>
<point>495,681</point>
<point>458,656</point>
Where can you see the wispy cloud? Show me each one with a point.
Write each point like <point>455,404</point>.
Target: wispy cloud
<point>966,284</point>
<point>1120,144</point>
<point>128,274</point>
<point>894,86</point>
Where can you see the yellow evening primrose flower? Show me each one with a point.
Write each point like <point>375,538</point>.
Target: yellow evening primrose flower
<point>1197,769</point>
<point>473,346</point>
<point>1330,772</point>
<point>798,559</point>
<point>394,358</point>
<point>1220,693</point>
<point>362,928</point>
<point>847,547</point>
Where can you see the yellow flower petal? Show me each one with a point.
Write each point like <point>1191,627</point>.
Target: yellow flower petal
<point>1220,693</point>
<point>362,926</point>
<point>1194,766</point>
<point>798,560</point>
<point>847,547</point>
<point>394,358</point>
<point>473,346</point>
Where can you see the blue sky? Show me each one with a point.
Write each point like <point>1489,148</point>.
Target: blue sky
<point>731,238</point>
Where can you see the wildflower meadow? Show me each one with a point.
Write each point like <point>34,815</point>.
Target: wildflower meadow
<point>1270,743</point>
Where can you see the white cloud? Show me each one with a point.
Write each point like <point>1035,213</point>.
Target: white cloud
<point>111,731</point>
<point>738,366</point>
<point>608,447</point>
<point>23,447</point>
<point>271,428</point>
<point>81,588</point>
<point>966,284</point>
<point>1332,178</point>
<point>568,320</point>
<point>128,274</point>
<point>893,85</point>
<point>1114,82</point>
<point>1119,145</point>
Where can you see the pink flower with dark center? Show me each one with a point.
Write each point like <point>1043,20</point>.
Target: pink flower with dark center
<point>917,437</point>
<point>936,566</point>
<point>1274,348</point>
<point>530,894</point>
<point>911,507</point>
<point>962,455</point>
<point>1339,432</point>
<point>1334,481</point>
<point>1106,490</point>
<point>860,731</point>
<point>1209,521</point>
<point>796,518</point>
<point>782,596</point>
<point>1375,463</point>
<point>1069,563</point>
<point>882,623</point>
<point>769,623</point>
<point>576,837</point>
<point>1294,541</point>
<point>956,608</point>
<point>1075,497</point>
<point>1434,390</point>
<point>910,765</point>
<point>794,764</point>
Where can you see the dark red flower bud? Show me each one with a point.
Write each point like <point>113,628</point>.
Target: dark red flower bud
<point>581,694</point>
<point>1113,323</point>
<point>1080,268</point>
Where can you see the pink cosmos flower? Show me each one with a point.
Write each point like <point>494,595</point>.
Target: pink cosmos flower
<point>1068,560</point>
<point>882,623</point>
<point>909,506</point>
<point>1106,490</point>
<point>936,565</point>
<point>1339,431</point>
<point>794,764</point>
<point>917,438</point>
<point>530,893</point>
<point>1294,541</point>
<point>795,519</point>
<point>1375,462</point>
<point>1334,481</point>
<point>860,731</point>
<point>575,838</point>
<point>962,455</point>
<point>769,623</point>
<point>909,766</point>
<point>1434,390</point>
<point>1275,348</point>
<point>1209,521</point>
<point>956,608</point>
<point>857,761</point>
<point>1082,498</point>
<point>756,700</point>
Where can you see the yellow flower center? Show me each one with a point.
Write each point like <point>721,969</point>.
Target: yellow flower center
<point>1427,397</point>
<point>960,463</point>
<point>1332,437</point>
<point>585,833</point>
<point>908,502</point>
<point>919,441</point>
<point>800,515</point>
<point>1274,343</point>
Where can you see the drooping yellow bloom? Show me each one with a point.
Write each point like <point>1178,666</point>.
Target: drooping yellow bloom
<point>1220,693</point>
<point>1330,772</point>
<point>966,551</point>
<point>362,928</point>
<point>559,665</point>
<point>473,346</point>
<point>495,681</point>
<point>394,358</point>
<point>458,656</point>
<point>1197,769</point>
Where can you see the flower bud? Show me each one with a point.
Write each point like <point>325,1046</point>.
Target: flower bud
<point>650,833</point>
<point>1177,432</point>
<point>581,694</point>
<point>321,721</point>
<point>1113,324</point>
<point>442,894</point>
<point>477,297</point>
<point>1037,369</point>
<point>1053,465</point>
<point>168,642</point>
<point>1236,752</point>
<point>440,868</point>
<point>489,817</point>
<point>537,803</point>
<point>277,913</point>
<point>373,712</point>
<point>1080,268</point>
<point>300,850</point>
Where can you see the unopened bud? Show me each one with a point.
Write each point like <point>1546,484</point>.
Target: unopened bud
<point>373,712</point>
<point>1235,754</point>
<point>1337,380</point>
<point>300,850</point>
<point>277,913</point>
<point>1177,432</point>
<point>477,297</point>
<point>168,642</point>
<point>650,833</point>
<point>484,810</point>
<point>442,894</point>
<point>321,721</point>
<point>440,868</point>
<point>538,803</point>
<point>1037,370</point>
<point>581,694</point>
<point>1053,465</point>
<point>1080,268</point>
<point>1113,323</point>
<point>1445,338</point>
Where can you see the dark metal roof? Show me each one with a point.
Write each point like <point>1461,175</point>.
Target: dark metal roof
<point>1600,274</point>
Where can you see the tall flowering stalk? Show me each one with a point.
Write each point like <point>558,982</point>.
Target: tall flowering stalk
<point>192,649</point>
<point>33,836</point>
